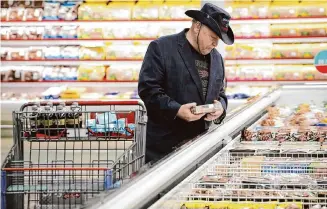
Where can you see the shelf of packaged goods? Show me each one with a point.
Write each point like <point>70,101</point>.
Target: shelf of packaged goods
<point>133,84</point>
<point>290,39</point>
<point>70,62</point>
<point>268,61</point>
<point>299,20</point>
<point>91,22</point>
<point>131,41</point>
<point>42,84</point>
<point>75,62</point>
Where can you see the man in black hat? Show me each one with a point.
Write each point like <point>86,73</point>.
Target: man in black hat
<point>179,72</point>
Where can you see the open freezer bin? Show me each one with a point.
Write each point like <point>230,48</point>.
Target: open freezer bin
<point>146,188</point>
<point>280,161</point>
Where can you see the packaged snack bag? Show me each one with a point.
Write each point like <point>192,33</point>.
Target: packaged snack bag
<point>146,10</point>
<point>33,14</point>
<point>51,11</point>
<point>16,14</point>
<point>284,30</point>
<point>119,11</point>
<point>309,9</point>
<point>282,10</point>
<point>284,51</point>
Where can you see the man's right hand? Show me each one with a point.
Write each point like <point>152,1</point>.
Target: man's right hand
<point>185,113</point>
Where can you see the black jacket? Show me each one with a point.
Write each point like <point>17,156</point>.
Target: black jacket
<point>169,79</point>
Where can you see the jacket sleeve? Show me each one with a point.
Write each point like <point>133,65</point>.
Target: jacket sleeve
<point>151,85</point>
<point>222,96</point>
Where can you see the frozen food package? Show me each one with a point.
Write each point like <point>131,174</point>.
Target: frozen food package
<point>253,51</point>
<point>119,11</point>
<point>53,52</point>
<point>312,30</point>
<point>307,51</point>
<point>33,14</point>
<point>176,10</point>
<point>91,32</point>
<point>207,108</point>
<point>13,73</point>
<point>32,73</point>
<point>68,11</point>
<point>70,52</point>
<point>285,51</point>
<point>4,53</point>
<point>68,32</point>
<point>17,33</point>
<point>5,33</point>
<point>309,9</point>
<point>4,14</point>
<point>16,13</point>
<point>51,10</point>
<point>119,73</point>
<point>255,30</point>
<point>17,53</point>
<point>125,31</point>
<point>115,51</point>
<point>33,33</point>
<point>91,53</point>
<point>51,32</point>
<point>284,30</point>
<point>288,72</point>
<point>146,10</point>
<point>92,11</point>
<point>35,53</point>
<point>231,73</point>
<point>91,73</point>
<point>145,31</point>
<point>282,10</point>
<point>230,51</point>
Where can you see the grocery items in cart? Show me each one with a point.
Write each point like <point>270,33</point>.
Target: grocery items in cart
<point>66,160</point>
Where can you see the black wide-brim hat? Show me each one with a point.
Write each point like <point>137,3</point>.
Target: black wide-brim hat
<point>216,19</point>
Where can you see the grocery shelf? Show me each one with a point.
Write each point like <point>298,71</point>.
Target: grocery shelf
<point>73,62</point>
<point>101,41</point>
<point>130,84</point>
<point>288,39</point>
<point>268,61</point>
<point>40,84</point>
<point>87,22</point>
<point>299,20</point>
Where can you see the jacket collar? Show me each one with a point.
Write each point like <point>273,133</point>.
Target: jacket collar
<point>186,54</point>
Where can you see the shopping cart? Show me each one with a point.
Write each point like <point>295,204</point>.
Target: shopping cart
<point>66,153</point>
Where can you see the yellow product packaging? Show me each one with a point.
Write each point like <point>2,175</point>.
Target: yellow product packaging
<point>72,93</point>
<point>287,204</point>
<point>91,73</point>
<point>239,10</point>
<point>119,11</point>
<point>312,10</point>
<point>283,10</point>
<point>283,51</point>
<point>308,51</point>
<point>146,10</point>
<point>284,30</point>
<point>176,10</point>
<point>244,51</point>
<point>92,53</point>
<point>202,204</point>
<point>259,9</point>
<point>90,11</point>
<point>89,32</point>
<point>230,51</point>
<point>288,72</point>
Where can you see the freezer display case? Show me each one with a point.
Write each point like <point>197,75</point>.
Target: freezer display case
<point>279,161</point>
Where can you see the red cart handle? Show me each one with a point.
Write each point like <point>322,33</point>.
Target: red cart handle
<point>87,103</point>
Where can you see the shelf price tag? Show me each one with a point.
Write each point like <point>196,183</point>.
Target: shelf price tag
<point>320,61</point>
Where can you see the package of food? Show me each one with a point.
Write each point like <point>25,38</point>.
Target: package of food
<point>253,51</point>
<point>70,52</point>
<point>91,32</point>
<point>33,14</point>
<point>176,10</point>
<point>51,10</point>
<point>35,53</point>
<point>4,53</point>
<point>4,14</point>
<point>282,10</point>
<point>91,73</point>
<point>94,11</point>
<point>33,33</point>
<point>285,51</point>
<point>92,53</point>
<point>68,32</point>
<point>208,108</point>
<point>257,30</point>
<point>51,32</point>
<point>258,9</point>
<point>116,51</point>
<point>68,11</point>
<point>17,33</point>
<point>146,10</point>
<point>12,73</point>
<point>284,30</point>
<point>307,51</point>
<point>16,54</point>
<point>53,52</point>
<point>119,11</point>
<point>312,30</point>
<point>32,73</point>
<point>288,72</point>
<point>312,10</point>
<point>16,13</point>
<point>5,31</point>
<point>119,73</point>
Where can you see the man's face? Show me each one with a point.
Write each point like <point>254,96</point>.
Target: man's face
<point>207,40</point>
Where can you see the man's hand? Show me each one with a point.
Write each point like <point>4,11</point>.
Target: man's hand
<point>185,113</point>
<point>214,115</point>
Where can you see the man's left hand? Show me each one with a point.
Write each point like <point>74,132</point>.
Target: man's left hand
<point>214,115</point>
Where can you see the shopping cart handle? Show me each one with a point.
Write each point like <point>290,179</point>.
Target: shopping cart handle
<point>86,103</point>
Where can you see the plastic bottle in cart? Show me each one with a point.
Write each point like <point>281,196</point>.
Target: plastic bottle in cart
<point>46,120</point>
<point>74,119</point>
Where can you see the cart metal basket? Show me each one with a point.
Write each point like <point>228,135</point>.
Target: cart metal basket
<point>66,153</point>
